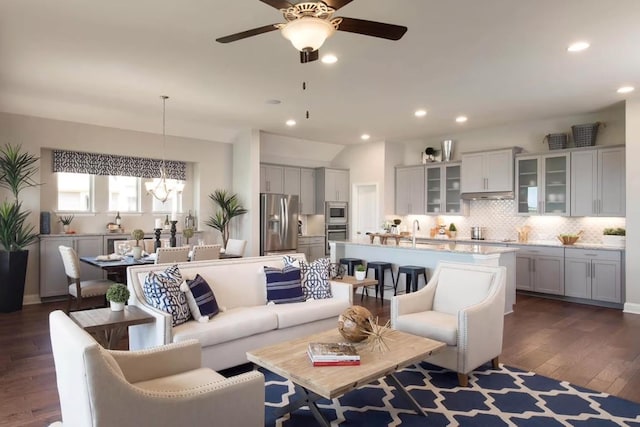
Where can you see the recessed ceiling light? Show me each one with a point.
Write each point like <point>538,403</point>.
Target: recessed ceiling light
<point>626,89</point>
<point>578,46</point>
<point>291,122</point>
<point>461,119</point>
<point>273,101</point>
<point>329,59</point>
<point>420,113</point>
<point>365,136</point>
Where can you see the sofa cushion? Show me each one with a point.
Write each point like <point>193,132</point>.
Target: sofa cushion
<point>430,324</point>
<point>228,325</point>
<point>200,298</point>
<point>162,291</point>
<point>315,276</point>
<point>308,311</point>
<point>283,285</point>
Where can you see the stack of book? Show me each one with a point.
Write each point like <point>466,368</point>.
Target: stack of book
<point>333,354</point>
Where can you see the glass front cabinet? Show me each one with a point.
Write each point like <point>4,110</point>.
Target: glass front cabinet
<point>542,183</point>
<point>442,190</point>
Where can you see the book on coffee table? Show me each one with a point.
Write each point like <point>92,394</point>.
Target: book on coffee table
<point>333,353</point>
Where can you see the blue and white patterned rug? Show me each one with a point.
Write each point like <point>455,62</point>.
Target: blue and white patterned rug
<point>505,397</point>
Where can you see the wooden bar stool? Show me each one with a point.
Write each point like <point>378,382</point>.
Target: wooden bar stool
<point>379,267</point>
<point>413,273</point>
<point>351,264</point>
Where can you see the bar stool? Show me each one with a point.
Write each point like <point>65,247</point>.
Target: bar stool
<point>351,264</point>
<point>379,267</point>
<point>412,276</point>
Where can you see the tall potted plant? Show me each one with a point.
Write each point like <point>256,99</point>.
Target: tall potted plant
<point>228,207</point>
<point>17,170</point>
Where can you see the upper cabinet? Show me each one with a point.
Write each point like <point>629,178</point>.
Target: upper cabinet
<point>598,182</point>
<point>291,181</point>
<point>332,185</point>
<point>489,171</point>
<point>542,183</point>
<point>271,179</point>
<point>308,192</point>
<point>410,190</point>
<point>442,189</point>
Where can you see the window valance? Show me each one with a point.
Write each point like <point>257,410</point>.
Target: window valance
<point>111,164</point>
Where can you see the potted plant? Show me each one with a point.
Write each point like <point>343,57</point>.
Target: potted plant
<point>614,236</point>
<point>453,231</point>
<point>137,235</point>
<point>361,272</point>
<point>66,222</point>
<point>187,233</point>
<point>117,295</point>
<point>228,208</point>
<point>17,170</point>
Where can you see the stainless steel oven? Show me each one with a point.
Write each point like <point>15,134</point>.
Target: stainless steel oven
<point>336,213</point>
<point>337,233</point>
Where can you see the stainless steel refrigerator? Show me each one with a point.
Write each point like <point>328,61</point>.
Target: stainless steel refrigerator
<point>278,223</point>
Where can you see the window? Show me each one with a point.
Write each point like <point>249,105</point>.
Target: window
<point>74,191</point>
<point>124,194</point>
<point>174,202</point>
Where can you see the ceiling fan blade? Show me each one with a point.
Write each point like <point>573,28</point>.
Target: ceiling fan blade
<point>278,4</point>
<point>372,28</point>
<point>306,56</point>
<point>336,4</point>
<point>245,34</point>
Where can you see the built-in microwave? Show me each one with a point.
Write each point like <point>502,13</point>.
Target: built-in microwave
<point>336,212</point>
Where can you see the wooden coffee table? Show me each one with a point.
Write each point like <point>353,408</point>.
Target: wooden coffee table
<point>108,325</point>
<point>289,359</point>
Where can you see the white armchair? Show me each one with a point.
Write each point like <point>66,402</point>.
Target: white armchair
<point>162,386</point>
<point>463,306</point>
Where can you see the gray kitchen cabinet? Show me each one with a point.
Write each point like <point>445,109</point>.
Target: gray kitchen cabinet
<point>410,190</point>
<point>312,247</point>
<point>542,184</point>
<point>598,182</point>
<point>332,185</point>
<point>53,280</point>
<point>488,171</point>
<point>307,191</point>
<point>593,274</point>
<point>271,179</point>
<point>540,269</point>
<point>442,189</point>
<point>291,181</point>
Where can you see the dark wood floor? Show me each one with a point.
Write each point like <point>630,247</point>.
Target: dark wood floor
<point>593,347</point>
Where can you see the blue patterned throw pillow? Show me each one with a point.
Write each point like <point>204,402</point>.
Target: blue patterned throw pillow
<point>200,298</point>
<point>162,291</point>
<point>315,277</point>
<point>283,286</point>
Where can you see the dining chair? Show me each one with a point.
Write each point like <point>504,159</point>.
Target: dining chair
<point>149,246</point>
<point>203,252</point>
<point>167,255</point>
<point>235,247</point>
<point>80,289</point>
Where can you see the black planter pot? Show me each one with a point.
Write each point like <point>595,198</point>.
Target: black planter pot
<point>13,273</point>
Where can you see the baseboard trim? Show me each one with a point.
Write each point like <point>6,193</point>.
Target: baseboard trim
<point>31,299</point>
<point>632,308</point>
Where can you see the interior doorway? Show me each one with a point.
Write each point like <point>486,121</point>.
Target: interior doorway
<point>365,212</point>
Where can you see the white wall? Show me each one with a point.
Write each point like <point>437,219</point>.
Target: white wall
<point>633,206</point>
<point>286,150</point>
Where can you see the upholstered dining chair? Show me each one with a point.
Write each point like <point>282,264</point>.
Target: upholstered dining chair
<point>463,306</point>
<point>161,386</point>
<point>204,252</point>
<point>149,245</point>
<point>80,289</point>
<point>166,255</point>
<point>235,247</point>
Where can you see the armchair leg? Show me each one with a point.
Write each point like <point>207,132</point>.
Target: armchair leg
<point>68,304</point>
<point>495,362</point>
<point>463,380</point>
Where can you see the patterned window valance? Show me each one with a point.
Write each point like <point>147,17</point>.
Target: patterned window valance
<point>110,164</point>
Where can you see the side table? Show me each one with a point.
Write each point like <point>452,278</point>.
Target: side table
<point>109,325</point>
<point>355,283</point>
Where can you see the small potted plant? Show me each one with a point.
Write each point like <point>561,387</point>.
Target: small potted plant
<point>361,272</point>
<point>117,295</point>
<point>65,220</point>
<point>453,231</point>
<point>614,236</point>
<point>138,235</point>
<point>187,233</point>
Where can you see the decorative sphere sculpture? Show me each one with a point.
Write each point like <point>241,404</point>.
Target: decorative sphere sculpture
<point>354,323</point>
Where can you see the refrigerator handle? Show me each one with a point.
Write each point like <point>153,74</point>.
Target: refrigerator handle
<point>285,219</point>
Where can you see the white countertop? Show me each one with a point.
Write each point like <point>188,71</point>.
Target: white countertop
<point>548,243</point>
<point>449,246</point>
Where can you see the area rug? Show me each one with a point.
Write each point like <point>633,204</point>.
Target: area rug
<point>504,397</point>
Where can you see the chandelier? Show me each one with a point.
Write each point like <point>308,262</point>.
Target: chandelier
<point>161,188</point>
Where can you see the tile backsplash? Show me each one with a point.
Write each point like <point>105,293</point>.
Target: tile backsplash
<point>500,221</point>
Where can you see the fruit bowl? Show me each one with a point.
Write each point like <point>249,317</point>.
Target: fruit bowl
<point>568,239</point>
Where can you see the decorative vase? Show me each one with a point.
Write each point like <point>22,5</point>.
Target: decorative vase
<point>66,227</point>
<point>360,275</point>
<point>453,234</point>
<point>116,306</point>
<point>137,252</point>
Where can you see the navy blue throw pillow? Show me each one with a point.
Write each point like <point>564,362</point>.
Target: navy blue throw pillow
<point>283,286</point>
<point>203,297</point>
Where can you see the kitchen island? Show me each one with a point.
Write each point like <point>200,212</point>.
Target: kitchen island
<point>428,255</point>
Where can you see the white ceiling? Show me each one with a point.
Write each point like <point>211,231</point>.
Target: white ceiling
<point>496,61</point>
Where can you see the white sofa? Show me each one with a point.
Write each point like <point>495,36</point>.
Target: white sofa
<point>246,322</point>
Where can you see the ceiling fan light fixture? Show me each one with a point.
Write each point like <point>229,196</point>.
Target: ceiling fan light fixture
<point>308,33</point>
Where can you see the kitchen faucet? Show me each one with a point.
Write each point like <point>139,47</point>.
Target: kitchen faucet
<point>416,227</point>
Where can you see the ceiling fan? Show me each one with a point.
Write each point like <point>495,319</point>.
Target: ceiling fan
<point>309,24</point>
